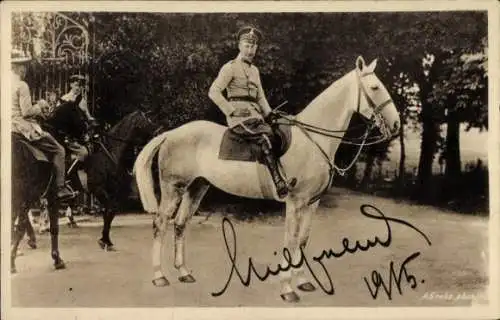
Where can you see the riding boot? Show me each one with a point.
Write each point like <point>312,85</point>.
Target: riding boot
<point>63,191</point>
<point>272,164</point>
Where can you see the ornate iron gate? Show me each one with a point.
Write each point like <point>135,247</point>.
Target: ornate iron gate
<point>60,46</point>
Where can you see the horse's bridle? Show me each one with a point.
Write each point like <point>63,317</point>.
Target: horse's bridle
<point>372,122</point>
<point>97,137</point>
<point>377,109</point>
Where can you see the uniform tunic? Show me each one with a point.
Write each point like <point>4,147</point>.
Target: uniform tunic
<point>82,104</point>
<point>77,134</point>
<point>244,89</point>
<point>23,111</point>
<point>23,122</point>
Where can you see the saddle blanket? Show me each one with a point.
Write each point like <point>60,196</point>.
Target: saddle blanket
<point>38,154</point>
<point>235,148</point>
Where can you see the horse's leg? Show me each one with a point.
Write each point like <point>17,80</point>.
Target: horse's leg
<point>291,241</point>
<point>17,235</point>
<point>44,217</point>
<point>303,237</point>
<point>189,204</point>
<point>107,217</point>
<point>53,209</point>
<point>30,232</point>
<point>71,219</point>
<point>105,241</point>
<point>170,198</point>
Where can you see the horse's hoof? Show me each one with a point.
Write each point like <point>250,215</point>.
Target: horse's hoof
<point>101,244</point>
<point>106,246</point>
<point>13,269</point>
<point>59,265</point>
<point>290,297</point>
<point>73,225</point>
<point>307,287</point>
<point>187,279</point>
<point>161,282</point>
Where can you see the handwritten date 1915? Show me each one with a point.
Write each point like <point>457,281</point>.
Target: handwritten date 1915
<point>377,281</point>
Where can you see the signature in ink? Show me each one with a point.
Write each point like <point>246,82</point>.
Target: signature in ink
<point>349,247</point>
<point>246,280</point>
<point>378,281</point>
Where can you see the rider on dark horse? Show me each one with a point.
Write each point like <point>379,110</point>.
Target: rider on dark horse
<point>25,123</point>
<point>247,106</point>
<point>73,122</point>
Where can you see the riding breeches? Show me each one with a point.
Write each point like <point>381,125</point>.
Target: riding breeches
<point>256,130</point>
<point>49,145</point>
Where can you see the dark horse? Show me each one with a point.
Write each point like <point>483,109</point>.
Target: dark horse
<point>31,177</point>
<point>107,168</point>
<point>110,165</point>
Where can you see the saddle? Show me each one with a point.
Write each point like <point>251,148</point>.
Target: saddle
<point>235,148</point>
<point>37,154</point>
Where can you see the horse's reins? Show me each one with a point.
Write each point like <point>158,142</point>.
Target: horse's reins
<point>332,133</point>
<point>307,128</point>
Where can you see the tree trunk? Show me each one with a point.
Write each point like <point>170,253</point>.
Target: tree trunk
<point>430,129</point>
<point>402,156</point>
<point>452,155</point>
<point>370,161</point>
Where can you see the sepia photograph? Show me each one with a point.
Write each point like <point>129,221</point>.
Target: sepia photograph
<point>237,156</point>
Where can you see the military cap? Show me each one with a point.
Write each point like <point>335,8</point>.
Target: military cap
<point>77,77</point>
<point>250,34</point>
<point>19,56</point>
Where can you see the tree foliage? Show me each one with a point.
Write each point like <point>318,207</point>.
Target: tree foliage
<point>166,62</point>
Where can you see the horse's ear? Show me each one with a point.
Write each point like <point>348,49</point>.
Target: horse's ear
<point>373,65</point>
<point>360,63</point>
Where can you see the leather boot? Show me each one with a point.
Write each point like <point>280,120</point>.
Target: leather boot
<point>271,162</point>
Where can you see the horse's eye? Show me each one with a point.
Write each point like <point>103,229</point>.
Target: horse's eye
<point>374,87</point>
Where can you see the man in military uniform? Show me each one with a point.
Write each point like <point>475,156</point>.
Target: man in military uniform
<point>247,106</point>
<point>24,122</point>
<point>77,96</point>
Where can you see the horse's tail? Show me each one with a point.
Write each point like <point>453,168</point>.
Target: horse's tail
<point>143,173</point>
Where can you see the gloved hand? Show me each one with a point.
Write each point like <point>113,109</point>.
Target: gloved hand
<point>44,105</point>
<point>241,113</point>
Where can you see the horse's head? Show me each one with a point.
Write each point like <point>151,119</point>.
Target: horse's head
<point>374,101</point>
<point>143,124</point>
<point>66,119</point>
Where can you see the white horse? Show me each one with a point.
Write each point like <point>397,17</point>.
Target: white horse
<point>188,163</point>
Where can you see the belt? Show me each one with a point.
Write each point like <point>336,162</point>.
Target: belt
<point>243,98</point>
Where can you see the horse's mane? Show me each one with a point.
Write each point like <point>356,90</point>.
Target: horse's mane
<point>124,125</point>
<point>325,97</point>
